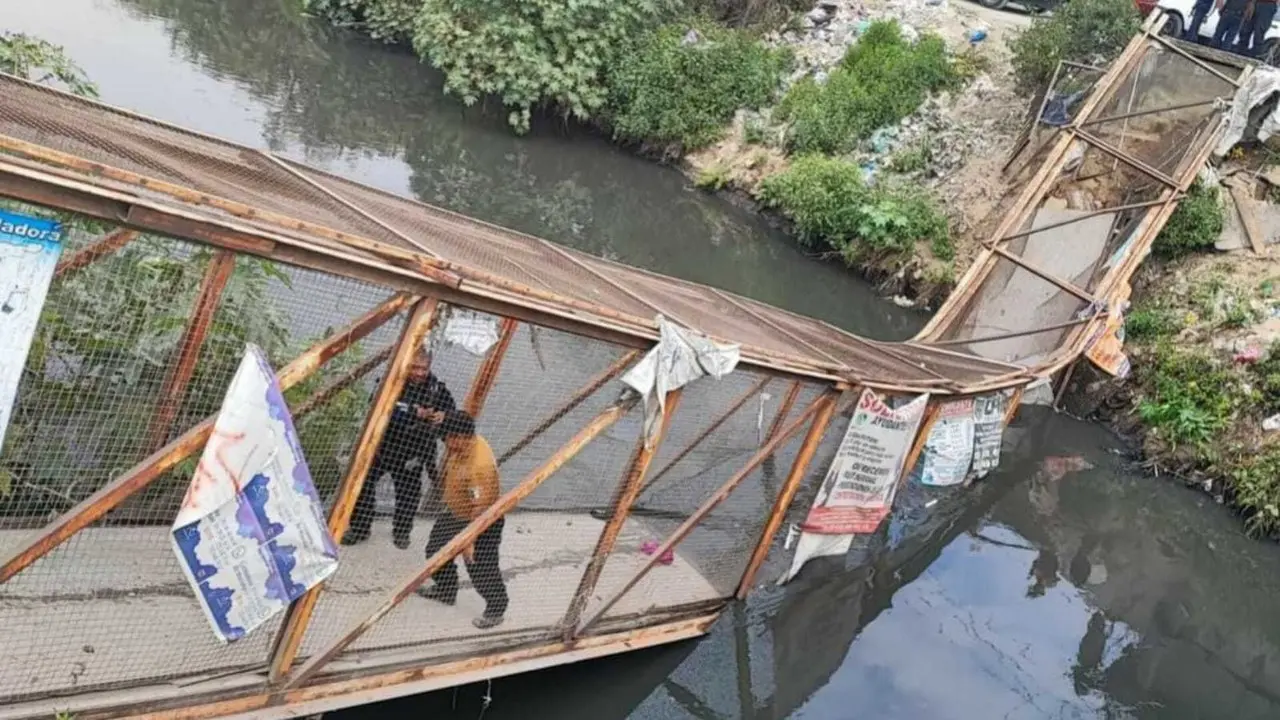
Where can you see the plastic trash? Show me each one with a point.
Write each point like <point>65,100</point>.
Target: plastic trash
<point>1248,356</point>
<point>978,34</point>
<point>1272,423</point>
<point>650,547</point>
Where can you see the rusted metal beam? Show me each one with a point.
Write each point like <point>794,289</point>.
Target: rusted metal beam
<point>733,408</point>
<point>624,497</point>
<point>1010,335</point>
<point>465,538</point>
<point>487,373</point>
<point>779,329</point>
<point>1202,64</point>
<point>1078,218</point>
<point>97,505</point>
<point>183,367</point>
<point>1125,157</point>
<point>86,256</point>
<point>808,448</point>
<point>1014,402</point>
<point>289,638</point>
<point>326,393</point>
<point>586,391</point>
<point>784,409</point>
<point>1152,111</point>
<point>705,509</point>
<point>1044,275</point>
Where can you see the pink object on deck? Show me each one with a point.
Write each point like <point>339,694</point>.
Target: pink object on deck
<point>650,547</point>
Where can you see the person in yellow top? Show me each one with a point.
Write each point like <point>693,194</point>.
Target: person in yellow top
<point>470,480</point>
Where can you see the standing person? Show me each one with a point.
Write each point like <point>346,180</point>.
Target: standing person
<point>1198,13</point>
<point>1230,16</point>
<point>470,480</point>
<point>408,446</point>
<point>1253,33</point>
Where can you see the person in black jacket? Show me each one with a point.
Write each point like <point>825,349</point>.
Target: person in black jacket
<point>423,412</point>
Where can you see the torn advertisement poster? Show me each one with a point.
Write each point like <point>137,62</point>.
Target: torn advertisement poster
<point>472,331</point>
<point>29,250</point>
<point>251,536</point>
<point>988,431</point>
<point>949,449</point>
<point>680,357</point>
<point>1106,350</point>
<point>857,492</point>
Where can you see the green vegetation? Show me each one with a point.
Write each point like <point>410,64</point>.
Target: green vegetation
<point>832,206</point>
<point>1191,397</point>
<point>1086,31</point>
<point>1150,323</point>
<point>387,20</point>
<point>881,80</point>
<point>106,338</point>
<point>534,52</point>
<point>42,62</point>
<point>1195,225</point>
<point>681,84</point>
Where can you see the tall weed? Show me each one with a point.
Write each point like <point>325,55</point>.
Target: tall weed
<point>881,80</point>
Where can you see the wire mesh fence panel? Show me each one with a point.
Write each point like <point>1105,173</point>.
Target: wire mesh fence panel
<point>527,569</point>
<point>111,606</point>
<point>709,562</point>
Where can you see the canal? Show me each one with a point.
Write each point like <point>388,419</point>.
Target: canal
<point>1067,585</point>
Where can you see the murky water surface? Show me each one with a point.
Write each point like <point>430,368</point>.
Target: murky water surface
<point>1065,586</point>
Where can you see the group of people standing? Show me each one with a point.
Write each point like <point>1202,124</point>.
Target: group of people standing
<point>468,484</point>
<point>1242,24</point>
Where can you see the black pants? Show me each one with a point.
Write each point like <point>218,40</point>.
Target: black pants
<point>1255,29</point>
<point>1224,35</point>
<point>408,489</point>
<point>1198,13</point>
<point>485,574</point>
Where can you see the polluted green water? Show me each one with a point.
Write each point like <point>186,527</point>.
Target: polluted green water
<point>1064,586</point>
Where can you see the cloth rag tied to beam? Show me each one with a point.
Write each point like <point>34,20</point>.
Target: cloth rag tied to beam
<point>680,357</point>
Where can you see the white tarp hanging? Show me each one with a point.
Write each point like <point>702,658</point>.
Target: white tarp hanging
<point>472,331</point>
<point>680,357</point>
<point>858,490</point>
<point>251,535</point>
<point>1262,82</point>
<point>29,250</point>
<point>949,449</point>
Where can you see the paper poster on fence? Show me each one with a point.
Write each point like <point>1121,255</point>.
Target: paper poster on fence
<point>949,450</point>
<point>857,492</point>
<point>988,431</point>
<point>251,535</point>
<point>29,250</point>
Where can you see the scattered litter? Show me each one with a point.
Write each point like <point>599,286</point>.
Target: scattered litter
<point>978,34</point>
<point>903,302</point>
<point>649,547</point>
<point>931,503</point>
<point>1248,356</point>
<point>1272,423</point>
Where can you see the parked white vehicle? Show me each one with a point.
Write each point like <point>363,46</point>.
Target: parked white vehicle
<point>1178,17</point>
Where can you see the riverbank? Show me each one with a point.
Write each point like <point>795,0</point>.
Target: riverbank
<point>1203,336</point>
<point>913,126</point>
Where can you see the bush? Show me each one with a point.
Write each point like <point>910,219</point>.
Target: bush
<point>387,20</point>
<point>1088,31</point>
<point>1255,484</point>
<point>532,52</point>
<point>831,205</point>
<point>1150,323</point>
<point>1195,224</point>
<point>881,80</point>
<point>1191,398</point>
<point>668,91</point>
<point>43,62</point>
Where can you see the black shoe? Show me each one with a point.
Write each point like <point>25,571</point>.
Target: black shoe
<point>438,594</point>
<point>602,514</point>
<point>401,540</point>
<point>354,538</point>
<point>486,621</point>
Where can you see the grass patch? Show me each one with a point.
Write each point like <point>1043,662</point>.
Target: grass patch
<point>881,80</point>
<point>1088,31</point>
<point>1255,484</point>
<point>1151,323</point>
<point>712,177</point>
<point>681,84</point>
<point>1191,399</point>
<point>832,206</point>
<point>1194,226</point>
<point>911,159</point>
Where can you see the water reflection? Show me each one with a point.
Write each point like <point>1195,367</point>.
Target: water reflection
<point>259,72</point>
<point>1065,586</point>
